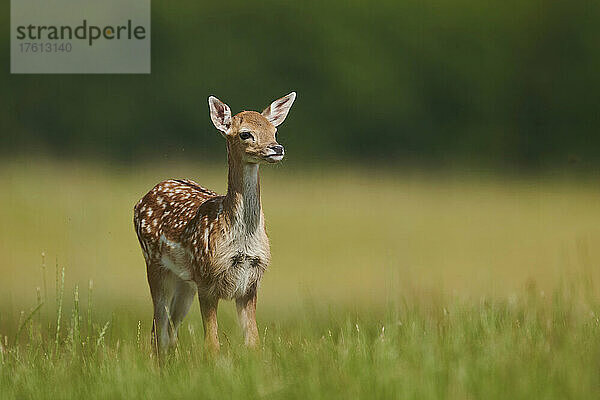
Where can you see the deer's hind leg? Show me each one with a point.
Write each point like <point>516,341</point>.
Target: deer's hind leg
<point>183,297</point>
<point>172,298</point>
<point>162,284</point>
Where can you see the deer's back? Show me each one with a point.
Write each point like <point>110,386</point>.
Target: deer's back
<point>163,214</point>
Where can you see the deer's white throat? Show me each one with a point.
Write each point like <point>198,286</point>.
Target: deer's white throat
<point>244,190</point>
<point>251,196</point>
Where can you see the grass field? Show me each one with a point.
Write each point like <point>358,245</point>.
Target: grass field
<point>383,284</point>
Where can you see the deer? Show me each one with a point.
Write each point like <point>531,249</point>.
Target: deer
<point>197,242</point>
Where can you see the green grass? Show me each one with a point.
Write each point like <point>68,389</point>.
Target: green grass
<point>384,284</point>
<point>526,347</point>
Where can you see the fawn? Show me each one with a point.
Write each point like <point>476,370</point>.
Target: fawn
<point>195,241</point>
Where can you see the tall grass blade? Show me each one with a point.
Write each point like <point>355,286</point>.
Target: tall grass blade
<point>44,277</point>
<point>25,321</point>
<point>139,332</point>
<point>59,301</point>
<point>75,324</point>
<point>89,310</point>
<point>100,339</point>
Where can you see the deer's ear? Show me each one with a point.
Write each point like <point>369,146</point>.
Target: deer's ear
<point>220,114</point>
<point>279,109</point>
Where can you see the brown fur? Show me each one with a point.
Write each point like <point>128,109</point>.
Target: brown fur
<point>195,241</point>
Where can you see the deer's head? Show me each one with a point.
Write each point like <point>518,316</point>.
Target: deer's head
<point>251,135</point>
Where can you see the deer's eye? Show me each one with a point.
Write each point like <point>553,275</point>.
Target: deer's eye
<point>245,135</point>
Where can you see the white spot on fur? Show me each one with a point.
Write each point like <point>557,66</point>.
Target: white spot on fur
<point>206,240</point>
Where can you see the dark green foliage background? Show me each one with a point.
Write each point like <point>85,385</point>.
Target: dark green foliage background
<point>499,83</point>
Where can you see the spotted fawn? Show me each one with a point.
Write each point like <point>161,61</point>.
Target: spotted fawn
<point>195,241</point>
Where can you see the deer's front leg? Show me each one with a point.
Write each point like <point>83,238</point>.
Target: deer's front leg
<point>208,307</point>
<point>246,308</point>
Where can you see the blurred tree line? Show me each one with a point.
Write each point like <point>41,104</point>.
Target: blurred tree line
<point>420,81</point>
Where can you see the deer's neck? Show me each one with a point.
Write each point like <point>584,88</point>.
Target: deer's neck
<point>242,201</point>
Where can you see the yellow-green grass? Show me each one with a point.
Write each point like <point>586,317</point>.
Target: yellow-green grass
<point>383,282</point>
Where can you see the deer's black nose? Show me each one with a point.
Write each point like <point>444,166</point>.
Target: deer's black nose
<point>278,149</point>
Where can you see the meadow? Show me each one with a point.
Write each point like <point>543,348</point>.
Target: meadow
<point>384,283</point>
